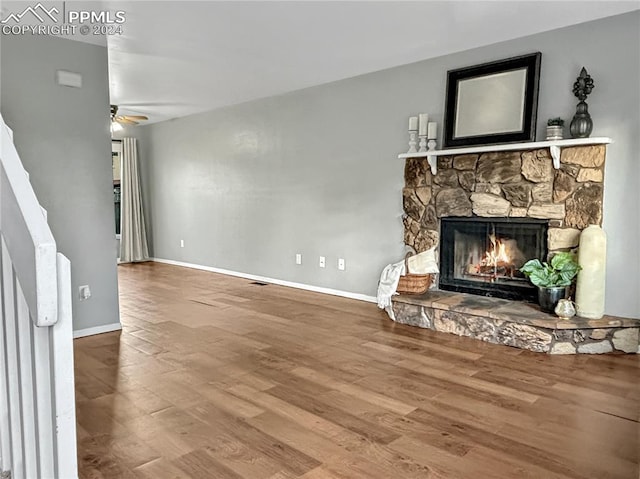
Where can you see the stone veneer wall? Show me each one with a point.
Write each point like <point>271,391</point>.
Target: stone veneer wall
<point>516,184</point>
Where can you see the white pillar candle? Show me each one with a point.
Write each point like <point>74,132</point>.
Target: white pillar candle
<point>433,130</point>
<point>592,257</point>
<point>424,121</point>
<point>413,123</point>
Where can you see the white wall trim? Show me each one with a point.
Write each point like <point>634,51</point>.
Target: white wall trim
<point>264,279</point>
<point>106,328</point>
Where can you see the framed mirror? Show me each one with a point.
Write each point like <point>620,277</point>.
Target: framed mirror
<point>492,103</point>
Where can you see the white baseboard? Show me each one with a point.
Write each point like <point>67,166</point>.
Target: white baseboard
<point>107,328</point>
<point>264,279</point>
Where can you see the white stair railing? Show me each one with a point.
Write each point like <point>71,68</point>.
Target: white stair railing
<point>37,405</point>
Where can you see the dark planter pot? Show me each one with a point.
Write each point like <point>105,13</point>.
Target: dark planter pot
<point>548,297</point>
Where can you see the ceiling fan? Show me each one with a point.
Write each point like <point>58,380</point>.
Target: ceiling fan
<point>118,120</point>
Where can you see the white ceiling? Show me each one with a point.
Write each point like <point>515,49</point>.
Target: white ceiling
<point>177,58</point>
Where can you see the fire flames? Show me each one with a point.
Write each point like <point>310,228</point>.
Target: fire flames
<point>497,255</point>
<point>496,262</point>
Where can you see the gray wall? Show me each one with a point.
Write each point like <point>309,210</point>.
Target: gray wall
<point>316,171</point>
<point>62,135</point>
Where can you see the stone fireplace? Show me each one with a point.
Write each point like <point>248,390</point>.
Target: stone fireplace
<point>506,185</point>
<point>487,213</point>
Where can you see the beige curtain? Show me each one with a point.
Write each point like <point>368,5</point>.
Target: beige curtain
<point>133,235</point>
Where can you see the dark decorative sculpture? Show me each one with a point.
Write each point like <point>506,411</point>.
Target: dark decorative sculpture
<point>581,125</point>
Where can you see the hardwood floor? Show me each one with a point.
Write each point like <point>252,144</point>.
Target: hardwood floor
<point>215,377</point>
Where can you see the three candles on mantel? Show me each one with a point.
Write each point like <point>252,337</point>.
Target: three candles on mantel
<point>424,127</point>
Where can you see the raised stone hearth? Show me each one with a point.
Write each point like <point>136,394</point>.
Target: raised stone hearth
<point>518,324</point>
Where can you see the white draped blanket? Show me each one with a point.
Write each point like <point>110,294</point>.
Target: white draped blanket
<point>422,263</point>
<point>389,283</point>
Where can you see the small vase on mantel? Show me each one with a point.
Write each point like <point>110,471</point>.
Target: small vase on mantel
<point>582,125</point>
<point>555,129</point>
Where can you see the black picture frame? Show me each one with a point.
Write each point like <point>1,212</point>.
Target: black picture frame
<point>492,103</point>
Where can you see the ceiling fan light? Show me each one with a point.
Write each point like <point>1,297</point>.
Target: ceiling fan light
<point>116,127</point>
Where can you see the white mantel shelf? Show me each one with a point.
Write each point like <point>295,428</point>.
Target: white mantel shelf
<point>555,147</point>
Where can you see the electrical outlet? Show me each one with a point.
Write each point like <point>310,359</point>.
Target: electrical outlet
<point>181,243</point>
<point>341,264</point>
<point>298,258</point>
<point>323,261</point>
<point>84,292</point>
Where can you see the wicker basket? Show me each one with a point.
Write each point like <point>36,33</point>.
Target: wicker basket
<point>413,283</point>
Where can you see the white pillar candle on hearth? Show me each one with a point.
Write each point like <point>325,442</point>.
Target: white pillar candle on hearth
<point>592,257</point>
<point>433,130</point>
<point>413,123</point>
<point>424,122</point>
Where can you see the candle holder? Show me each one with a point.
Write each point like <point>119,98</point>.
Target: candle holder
<point>432,145</point>
<point>423,144</point>
<point>413,136</point>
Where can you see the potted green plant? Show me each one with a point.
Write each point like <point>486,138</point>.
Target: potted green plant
<point>555,129</point>
<point>552,278</point>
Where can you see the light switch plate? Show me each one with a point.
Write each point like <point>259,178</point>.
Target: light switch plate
<point>71,79</point>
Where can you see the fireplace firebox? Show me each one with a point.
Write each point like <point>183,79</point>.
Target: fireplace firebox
<point>483,255</point>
